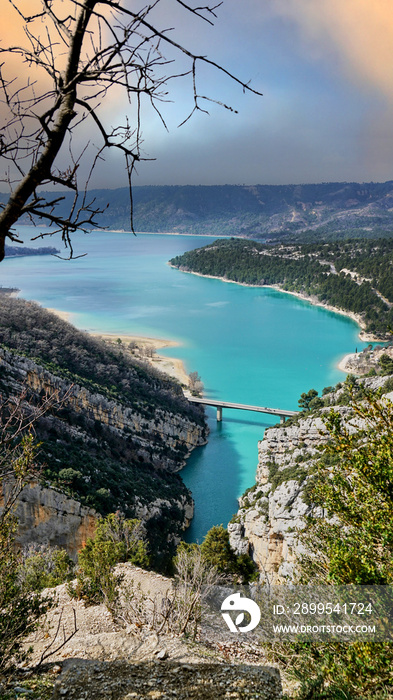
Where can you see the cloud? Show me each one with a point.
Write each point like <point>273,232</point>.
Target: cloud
<point>360,31</point>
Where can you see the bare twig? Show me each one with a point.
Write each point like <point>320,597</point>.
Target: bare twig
<point>75,60</point>
<point>48,651</point>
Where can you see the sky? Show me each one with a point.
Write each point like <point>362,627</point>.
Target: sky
<point>325,68</point>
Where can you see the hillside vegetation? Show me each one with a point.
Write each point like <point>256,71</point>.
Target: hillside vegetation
<point>351,275</point>
<point>334,209</point>
<point>121,430</point>
<point>18,251</point>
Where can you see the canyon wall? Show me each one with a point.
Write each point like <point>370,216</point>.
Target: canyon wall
<point>51,518</point>
<point>272,512</point>
<point>151,441</point>
<point>166,438</point>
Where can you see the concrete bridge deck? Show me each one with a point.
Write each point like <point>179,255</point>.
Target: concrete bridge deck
<point>219,405</point>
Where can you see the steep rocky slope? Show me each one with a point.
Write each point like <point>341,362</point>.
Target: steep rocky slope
<point>47,516</point>
<point>273,510</point>
<point>108,659</point>
<point>115,439</point>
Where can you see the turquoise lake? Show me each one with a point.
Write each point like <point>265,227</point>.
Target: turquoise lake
<point>249,345</point>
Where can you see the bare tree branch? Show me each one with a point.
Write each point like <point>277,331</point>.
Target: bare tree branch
<point>48,651</point>
<point>74,61</point>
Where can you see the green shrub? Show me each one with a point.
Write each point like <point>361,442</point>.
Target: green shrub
<point>116,540</point>
<point>388,386</point>
<point>306,398</point>
<point>45,567</point>
<point>218,553</point>
<point>96,580</point>
<point>340,671</point>
<point>21,609</point>
<point>386,364</point>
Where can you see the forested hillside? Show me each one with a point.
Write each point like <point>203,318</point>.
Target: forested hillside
<point>334,210</point>
<point>355,276</point>
<point>18,251</point>
<point>121,429</point>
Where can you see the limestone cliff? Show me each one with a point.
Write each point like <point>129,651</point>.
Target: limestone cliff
<point>273,510</point>
<point>166,438</point>
<point>115,439</point>
<point>49,517</point>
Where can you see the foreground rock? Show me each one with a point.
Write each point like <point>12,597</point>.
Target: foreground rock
<point>161,681</point>
<point>107,659</point>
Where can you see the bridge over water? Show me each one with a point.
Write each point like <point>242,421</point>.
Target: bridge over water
<point>219,405</point>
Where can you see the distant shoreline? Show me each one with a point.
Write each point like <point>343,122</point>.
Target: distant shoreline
<point>163,233</point>
<point>363,335</point>
<point>10,291</point>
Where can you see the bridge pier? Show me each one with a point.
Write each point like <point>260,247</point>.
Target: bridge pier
<point>282,419</point>
<point>219,414</point>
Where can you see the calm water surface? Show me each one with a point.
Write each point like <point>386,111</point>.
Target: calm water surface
<point>255,346</point>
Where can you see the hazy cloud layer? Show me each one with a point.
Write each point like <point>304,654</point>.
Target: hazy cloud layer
<point>325,68</point>
<point>361,31</point>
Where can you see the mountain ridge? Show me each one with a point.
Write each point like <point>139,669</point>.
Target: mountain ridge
<point>273,211</point>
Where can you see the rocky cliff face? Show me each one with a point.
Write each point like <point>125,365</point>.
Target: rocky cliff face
<point>49,517</point>
<point>92,439</point>
<point>166,438</point>
<point>273,510</point>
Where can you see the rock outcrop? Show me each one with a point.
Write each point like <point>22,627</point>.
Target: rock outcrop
<point>49,517</point>
<point>272,512</point>
<point>165,439</point>
<point>108,658</point>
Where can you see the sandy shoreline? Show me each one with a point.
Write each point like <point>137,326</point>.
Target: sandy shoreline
<point>342,365</point>
<point>169,365</point>
<point>64,315</point>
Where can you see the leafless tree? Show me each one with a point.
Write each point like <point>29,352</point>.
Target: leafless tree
<point>176,607</point>
<point>195,384</point>
<point>75,52</point>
